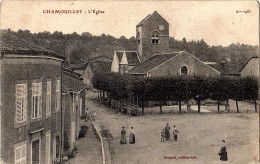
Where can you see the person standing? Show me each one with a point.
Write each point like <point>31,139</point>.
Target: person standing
<point>223,152</point>
<point>132,136</point>
<point>175,133</point>
<point>162,135</point>
<point>123,136</point>
<point>167,132</point>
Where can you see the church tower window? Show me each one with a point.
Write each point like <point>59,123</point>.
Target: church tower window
<point>155,37</point>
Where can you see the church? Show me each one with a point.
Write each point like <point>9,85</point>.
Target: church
<point>154,57</point>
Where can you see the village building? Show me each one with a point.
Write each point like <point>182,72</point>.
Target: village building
<point>93,68</point>
<point>31,111</point>
<point>123,61</point>
<point>251,68</point>
<point>73,103</point>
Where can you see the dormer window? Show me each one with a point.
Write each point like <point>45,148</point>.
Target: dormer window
<point>155,37</point>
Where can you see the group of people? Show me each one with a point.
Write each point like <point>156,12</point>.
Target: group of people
<point>131,136</point>
<point>165,133</point>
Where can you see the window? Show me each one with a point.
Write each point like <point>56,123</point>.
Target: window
<point>36,100</point>
<point>48,99</point>
<point>155,37</point>
<point>57,104</point>
<point>57,146</point>
<point>48,147</point>
<point>138,38</point>
<point>184,70</point>
<point>20,154</point>
<point>21,102</point>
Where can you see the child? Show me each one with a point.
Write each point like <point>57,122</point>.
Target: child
<point>162,135</point>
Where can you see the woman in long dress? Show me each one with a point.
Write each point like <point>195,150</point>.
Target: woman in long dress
<point>123,136</point>
<point>132,136</point>
<point>167,132</point>
<point>223,152</point>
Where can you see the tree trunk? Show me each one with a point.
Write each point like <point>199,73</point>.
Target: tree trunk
<point>199,106</point>
<point>218,106</point>
<point>103,94</point>
<point>143,107</point>
<point>100,94</point>
<point>161,107</point>
<point>179,106</point>
<point>255,106</point>
<point>237,106</point>
<point>227,101</point>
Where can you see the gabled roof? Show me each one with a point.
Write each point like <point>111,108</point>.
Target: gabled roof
<point>255,57</point>
<point>10,43</point>
<point>132,57</point>
<point>152,62</point>
<point>81,66</point>
<point>100,67</point>
<point>70,82</point>
<point>149,16</point>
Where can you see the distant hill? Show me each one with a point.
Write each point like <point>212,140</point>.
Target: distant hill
<point>83,48</point>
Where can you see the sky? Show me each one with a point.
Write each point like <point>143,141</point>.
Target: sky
<point>217,22</point>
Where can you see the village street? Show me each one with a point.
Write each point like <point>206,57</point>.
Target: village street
<point>200,135</point>
<point>89,148</point>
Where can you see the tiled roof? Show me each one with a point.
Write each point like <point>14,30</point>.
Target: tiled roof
<point>224,70</point>
<point>139,24</point>
<point>99,67</point>
<point>247,62</point>
<point>147,17</point>
<point>132,57</point>
<point>12,43</point>
<point>71,84</point>
<point>81,66</point>
<point>151,63</point>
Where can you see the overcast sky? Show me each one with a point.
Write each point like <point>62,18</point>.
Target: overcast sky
<point>217,22</point>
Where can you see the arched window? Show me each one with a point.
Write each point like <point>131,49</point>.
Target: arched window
<point>155,37</point>
<point>184,70</point>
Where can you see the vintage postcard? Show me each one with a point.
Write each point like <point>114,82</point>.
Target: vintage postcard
<point>129,82</point>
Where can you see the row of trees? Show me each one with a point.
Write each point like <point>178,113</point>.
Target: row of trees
<point>177,88</point>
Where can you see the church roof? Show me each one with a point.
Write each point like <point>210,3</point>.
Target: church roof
<point>152,63</point>
<point>148,16</point>
<point>132,57</point>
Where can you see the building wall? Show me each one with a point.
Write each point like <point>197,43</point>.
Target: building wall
<point>173,66</point>
<point>146,48</point>
<point>87,76</point>
<point>18,70</point>
<point>71,104</point>
<point>252,68</point>
<point>67,106</point>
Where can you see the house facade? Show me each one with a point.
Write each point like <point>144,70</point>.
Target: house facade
<point>251,68</point>
<point>73,103</point>
<point>31,111</point>
<point>92,68</point>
